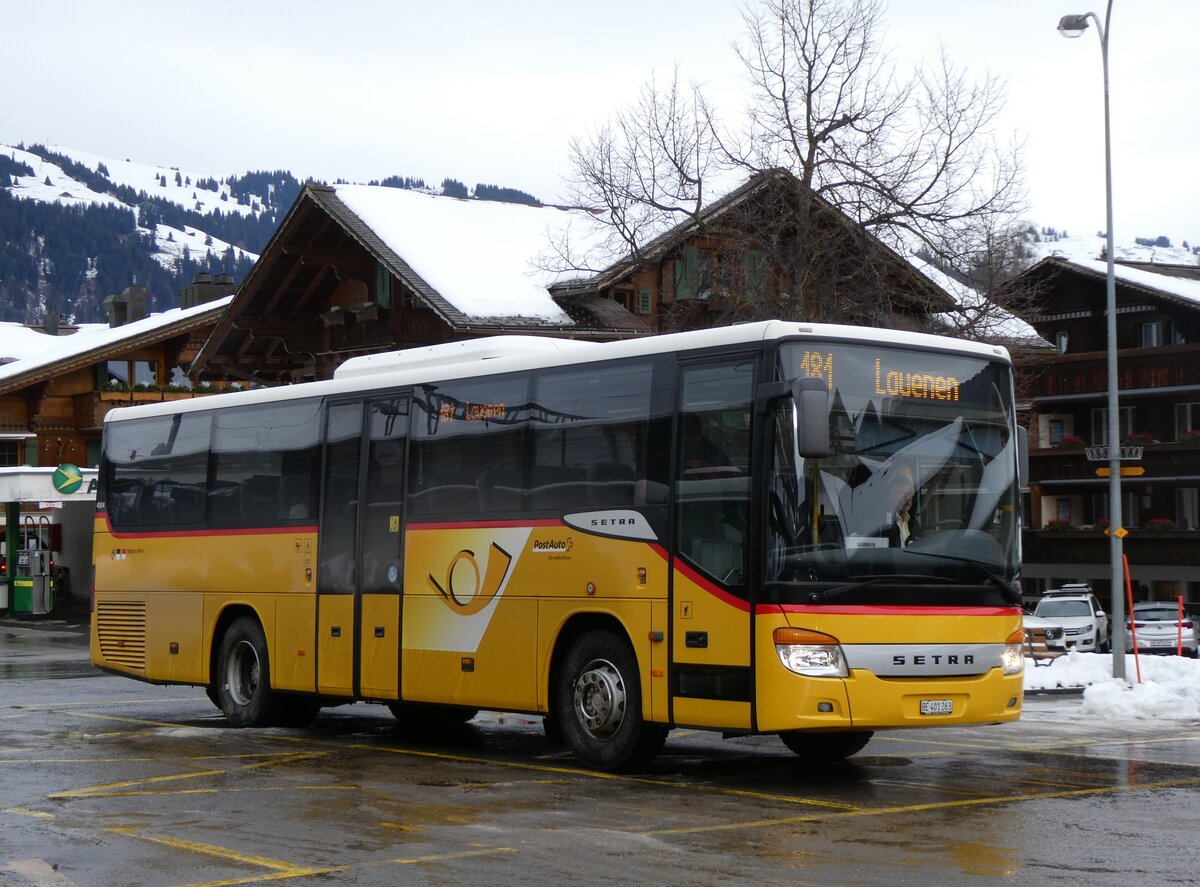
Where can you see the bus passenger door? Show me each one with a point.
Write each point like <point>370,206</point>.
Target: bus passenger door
<point>337,551</point>
<point>710,619</point>
<point>380,552</point>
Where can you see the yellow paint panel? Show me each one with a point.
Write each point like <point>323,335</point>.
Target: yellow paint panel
<point>175,619</point>
<point>335,644</point>
<point>294,651</point>
<point>380,660</point>
<point>712,713</point>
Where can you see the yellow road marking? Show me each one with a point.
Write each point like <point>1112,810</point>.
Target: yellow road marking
<point>587,774</point>
<point>108,788</point>
<point>51,706</point>
<point>915,808</point>
<point>25,811</point>
<point>265,862</point>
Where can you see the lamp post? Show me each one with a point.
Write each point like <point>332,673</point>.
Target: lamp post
<point>1074,26</point>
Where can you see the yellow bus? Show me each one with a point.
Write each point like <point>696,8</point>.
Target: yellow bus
<point>694,530</point>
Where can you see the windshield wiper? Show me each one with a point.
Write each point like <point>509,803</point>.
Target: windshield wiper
<point>1011,593</point>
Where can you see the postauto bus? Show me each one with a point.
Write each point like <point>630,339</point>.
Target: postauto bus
<point>690,530</point>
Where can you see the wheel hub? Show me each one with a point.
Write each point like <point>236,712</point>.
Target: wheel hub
<point>242,675</point>
<point>600,699</point>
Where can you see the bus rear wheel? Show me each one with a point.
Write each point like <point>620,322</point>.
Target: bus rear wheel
<point>826,747</point>
<point>243,686</point>
<point>598,705</point>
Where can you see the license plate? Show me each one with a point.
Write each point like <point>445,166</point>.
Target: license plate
<point>1154,642</point>
<point>937,706</point>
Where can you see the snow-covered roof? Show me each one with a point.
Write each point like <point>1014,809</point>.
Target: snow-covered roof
<point>33,354</point>
<point>480,256</point>
<point>985,319</point>
<point>1181,288</point>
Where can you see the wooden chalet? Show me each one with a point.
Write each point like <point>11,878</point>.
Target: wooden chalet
<point>360,269</point>
<point>1158,362</point>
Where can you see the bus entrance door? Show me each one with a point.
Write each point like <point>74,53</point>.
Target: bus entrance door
<point>361,572</point>
<point>380,550</point>
<point>710,647</point>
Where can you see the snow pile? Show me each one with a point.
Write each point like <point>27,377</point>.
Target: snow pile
<point>1169,689</point>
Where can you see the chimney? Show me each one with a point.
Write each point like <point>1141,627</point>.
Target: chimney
<point>205,289</point>
<point>50,323</point>
<point>126,307</point>
<point>115,310</point>
<point>135,299</point>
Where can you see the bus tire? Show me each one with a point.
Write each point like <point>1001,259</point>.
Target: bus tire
<point>826,747</point>
<point>598,705</point>
<point>244,675</point>
<point>424,714</point>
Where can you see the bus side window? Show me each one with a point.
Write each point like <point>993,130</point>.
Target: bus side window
<point>713,467</point>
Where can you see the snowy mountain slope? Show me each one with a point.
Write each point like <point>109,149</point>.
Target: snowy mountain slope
<point>50,183</point>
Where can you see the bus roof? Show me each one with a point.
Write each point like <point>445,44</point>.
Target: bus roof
<point>498,354</point>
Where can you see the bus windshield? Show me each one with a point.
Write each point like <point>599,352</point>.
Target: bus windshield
<point>919,488</point>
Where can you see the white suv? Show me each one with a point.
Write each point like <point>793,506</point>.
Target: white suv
<point>1076,609</point>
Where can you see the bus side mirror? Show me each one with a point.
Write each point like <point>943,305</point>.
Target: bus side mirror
<point>811,396</point>
<point>1022,457</point>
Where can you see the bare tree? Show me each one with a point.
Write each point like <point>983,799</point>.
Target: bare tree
<point>863,164</point>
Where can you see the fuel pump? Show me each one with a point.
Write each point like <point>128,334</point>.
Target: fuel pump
<point>33,580</point>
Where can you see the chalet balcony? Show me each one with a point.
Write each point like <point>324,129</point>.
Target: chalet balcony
<point>91,408</point>
<point>1174,548</point>
<point>1139,370</point>
<point>1161,461</point>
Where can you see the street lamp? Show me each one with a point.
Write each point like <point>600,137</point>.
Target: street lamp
<point>1074,26</point>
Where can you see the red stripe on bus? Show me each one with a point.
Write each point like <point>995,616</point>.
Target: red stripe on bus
<point>711,587</point>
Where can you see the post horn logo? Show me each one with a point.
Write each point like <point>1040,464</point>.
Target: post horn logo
<point>469,600</point>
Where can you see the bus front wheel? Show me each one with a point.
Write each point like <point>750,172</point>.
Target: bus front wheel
<point>598,705</point>
<point>826,747</point>
<point>244,675</point>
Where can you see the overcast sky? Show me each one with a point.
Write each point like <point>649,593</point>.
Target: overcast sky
<point>493,92</point>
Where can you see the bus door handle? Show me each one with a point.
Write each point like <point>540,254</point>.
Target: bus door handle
<point>696,639</point>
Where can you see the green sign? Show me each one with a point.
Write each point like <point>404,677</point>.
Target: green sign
<point>67,478</point>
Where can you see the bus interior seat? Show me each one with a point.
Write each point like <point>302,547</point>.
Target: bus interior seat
<point>260,497</point>
<point>295,496</point>
<point>224,503</point>
<point>557,487</point>
<point>611,484</point>
<point>500,490</point>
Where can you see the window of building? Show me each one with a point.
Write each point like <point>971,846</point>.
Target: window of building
<point>1187,508</point>
<point>129,372</point>
<point>1100,424</point>
<point>1187,418</point>
<point>1152,334</point>
<point>1064,509</point>
<point>10,453</point>
<point>1057,428</point>
<point>1060,340</point>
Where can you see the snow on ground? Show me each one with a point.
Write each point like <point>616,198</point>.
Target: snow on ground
<point>1169,687</point>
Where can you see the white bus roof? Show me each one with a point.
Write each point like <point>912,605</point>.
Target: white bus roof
<point>498,354</point>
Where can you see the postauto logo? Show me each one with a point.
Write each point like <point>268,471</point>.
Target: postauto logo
<point>67,478</point>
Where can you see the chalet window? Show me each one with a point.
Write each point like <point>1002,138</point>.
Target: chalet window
<point>1057,430</point>
<point>1100,424</point>
<point>1187,508</point>
<point>1129,508</point>
<point>129,372</point>
<point>1187,418</point>
<point>1064,509</point>
<point>10,453</point>
<point>1060,339</point>
<point>383,286</point>
<point>1152,334</point>
<point>645,303</point>
<point>687,273</point>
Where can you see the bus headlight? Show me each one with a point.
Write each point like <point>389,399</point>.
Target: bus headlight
<point>1013,657</point>
<point>810,653</point>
